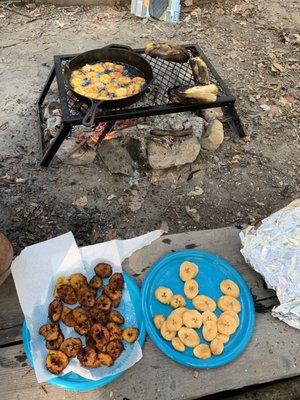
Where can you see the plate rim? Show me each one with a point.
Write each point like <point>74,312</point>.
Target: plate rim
<point>160,343</point>
<point>85,385</point>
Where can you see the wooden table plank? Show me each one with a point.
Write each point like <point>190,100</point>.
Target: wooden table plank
<point>272,354</point>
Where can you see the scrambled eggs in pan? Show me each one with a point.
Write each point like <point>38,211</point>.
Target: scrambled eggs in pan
<point>106,81</point>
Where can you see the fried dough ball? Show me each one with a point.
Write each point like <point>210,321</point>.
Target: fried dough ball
<point>114,349</point>
<point>67,317</point>
<point>67,294</point>
<point>104,303</point>
<point>56,362</point>
<point>79,315</point>
<point>130,334</point>
<point>50,331</point>
<point>78,281</point>
<point>114,331</point>
<point>87,357</point>
<point>55,344</point>
<point>116,281</point>
<point>105,359</point>
<point>83,328</point>
<point>55,310</point>
<point>100,334</point>
<point>96,282</point>
<point>97,315</point>
<point>103,270</point>
<point>71,347</point>
<point>86,297</point>
<point>116,317</point>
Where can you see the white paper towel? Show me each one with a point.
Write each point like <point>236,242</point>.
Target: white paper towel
<point>35,271</point>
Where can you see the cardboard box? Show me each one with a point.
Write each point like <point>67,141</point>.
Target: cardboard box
<point>141,8</point>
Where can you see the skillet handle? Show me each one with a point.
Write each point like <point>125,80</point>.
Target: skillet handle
<point>118,46</point>
<point>89,117</point>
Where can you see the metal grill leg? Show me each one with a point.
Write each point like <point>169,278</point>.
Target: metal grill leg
<point>55,144</point>
<point>234,121</point>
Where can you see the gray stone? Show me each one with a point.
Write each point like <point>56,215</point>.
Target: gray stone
<point>215,135</point>
<point>209,114</point>
<point>116,157</point>
<point>180,153</point>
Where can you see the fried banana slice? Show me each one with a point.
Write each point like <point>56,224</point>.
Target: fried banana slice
<point>163,294</point>
<point>230,288</point>
<point>130,335</point>
<point>61,280</point>
<point>67,317</point>
<point>166,333</point>
<point>216,346</point>
<point>192,319</point>
<point>83,328</point>
<point>79,315</point>
<point>97,315</point>
<point>103,270</point>
<point>116,317</point>
<point>209,330</point>
<point>100,334</point>
<point>86,297</point>
<point>116,281</point>
<point>115,331</point>
<point>229,303</point>
<point>191,288</point>
<point>55,344</point>
<point>158,320</point>
<point>67,294</point>
<point>87,357</point>
<point>227,324</point>
<point>189,337</point>
<point>178,344</point>
<point>208,316</point>
<point>56,362</point>
<point>55,310</point>
<point>114,349</point>
<point>105,359</point>
<point>96,282</point>
<point>202,351</point>
<point>203,303</point>
<point>188,271</point>
<point>177,301</point>
<point>50,331</point>
<point>174,322</point>
<point>104,303</point>
<point>113,294</point>
<point>115,303</point>
<point>78,281</point>
<point>71,347</point>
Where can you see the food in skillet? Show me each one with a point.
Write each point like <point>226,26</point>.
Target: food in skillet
<point>182,326</point>
<point>94,318</point>
<point>106,81</point>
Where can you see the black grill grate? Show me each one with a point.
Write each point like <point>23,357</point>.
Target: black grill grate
<point>167,74</point>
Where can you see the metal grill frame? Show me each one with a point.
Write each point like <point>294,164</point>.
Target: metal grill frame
<point>72,109</point>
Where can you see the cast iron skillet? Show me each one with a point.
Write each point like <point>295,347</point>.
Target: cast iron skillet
<point>112,53</point>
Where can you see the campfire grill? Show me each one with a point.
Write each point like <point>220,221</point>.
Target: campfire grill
<point>167,74</point>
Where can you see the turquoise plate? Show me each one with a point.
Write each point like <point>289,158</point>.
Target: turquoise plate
<point>212,270</point>
<point>72,381</point>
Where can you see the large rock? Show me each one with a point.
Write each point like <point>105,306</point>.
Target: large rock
<point>180,153</point>
<point>215,136</point>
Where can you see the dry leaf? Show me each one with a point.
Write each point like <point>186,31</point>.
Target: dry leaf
<point>274,111</point>
<point>277,67</point>
<point>287,100</point>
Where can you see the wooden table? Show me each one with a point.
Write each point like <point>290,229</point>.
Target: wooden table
<point>272,354</point>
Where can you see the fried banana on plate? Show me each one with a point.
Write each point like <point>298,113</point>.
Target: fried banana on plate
<point>97,315</point>
<point>56,362</point>
<point>96,282</point>
<point>116,281</point>
<point>116,317</point>
<point>67,294</point>
<point>100,334</point>
<point>104,303</point>
<point>55,344</point>
<point>86,297</point>
<point>87,357</point>
<point>103,270</point>
<point>71,347</point>
<point>130,334</point>
<point>67,317</point>
<point>114,349</point>
<point>50,331</point>
<point>55,310</point>
<point>115,331</point>
<point>83,328</point>
<point>78,281</point>
<point>79,315</point>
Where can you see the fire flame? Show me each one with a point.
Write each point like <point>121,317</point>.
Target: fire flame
<point>98,132</point>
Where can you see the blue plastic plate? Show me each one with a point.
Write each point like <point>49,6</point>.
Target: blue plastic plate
<point>212,270</point>
<point>72,381</point>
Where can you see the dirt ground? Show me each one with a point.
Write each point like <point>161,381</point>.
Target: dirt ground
<point>255,48</point>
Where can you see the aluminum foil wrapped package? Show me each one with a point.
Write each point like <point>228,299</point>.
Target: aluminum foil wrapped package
<point>273,250</point>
